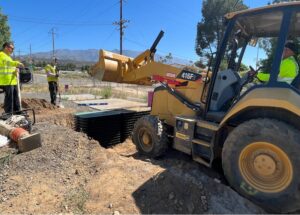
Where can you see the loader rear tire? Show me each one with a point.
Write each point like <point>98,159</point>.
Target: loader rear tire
<point>150,137</point>
<point>260,159</point>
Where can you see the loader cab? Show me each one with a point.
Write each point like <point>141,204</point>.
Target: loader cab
<point>279,25</point>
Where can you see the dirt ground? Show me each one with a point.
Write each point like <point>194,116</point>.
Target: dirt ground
<point>72,174</point>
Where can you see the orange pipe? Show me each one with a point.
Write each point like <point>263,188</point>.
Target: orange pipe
<point>17,133</point>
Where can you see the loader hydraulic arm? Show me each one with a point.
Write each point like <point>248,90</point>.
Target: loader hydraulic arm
<point>157,40</point>
<point>139,70</point>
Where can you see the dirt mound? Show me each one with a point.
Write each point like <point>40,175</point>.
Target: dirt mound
<point>37,104</point>
<point>72,174</point>
<point>46,179</point>
<point>47,112</point>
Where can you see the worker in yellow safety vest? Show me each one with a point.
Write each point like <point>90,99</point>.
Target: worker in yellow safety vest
<point>8,78</point>
<point>289,68</point>
<point>52,78</point>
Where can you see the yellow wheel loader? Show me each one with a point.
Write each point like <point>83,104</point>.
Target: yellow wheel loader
<point>217,116</point>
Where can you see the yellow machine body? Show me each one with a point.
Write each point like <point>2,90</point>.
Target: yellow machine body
<point>254,136</point>
<point>167,107</point>
<point>279,99</point>
<point>117,68</point>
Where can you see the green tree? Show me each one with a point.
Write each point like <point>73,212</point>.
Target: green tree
<point>166,59</point>
<point>71,66</point>
<point>200,64</point>
<point>211,28</point>
<point>4,29</point>
<point>85,68</point>
<point>269,45</point>
<point>243,67</point>
<point>278,1</point>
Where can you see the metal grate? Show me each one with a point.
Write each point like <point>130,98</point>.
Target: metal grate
<point>108,127</point>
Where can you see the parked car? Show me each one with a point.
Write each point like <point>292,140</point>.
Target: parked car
<point>25,75</point>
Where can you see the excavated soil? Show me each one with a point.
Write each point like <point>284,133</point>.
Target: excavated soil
<point>39,105</point>
<point>72,174</point>
<point>47,112</point>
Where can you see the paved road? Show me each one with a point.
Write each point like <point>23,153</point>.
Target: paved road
<point>40,80</point>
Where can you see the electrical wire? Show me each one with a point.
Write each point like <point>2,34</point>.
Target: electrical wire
<point>109,36</point>
<point>102,12</point>
<point>74,26</point>
<point>59,23</point>
<point>67,6</point>
<point>159,50</point>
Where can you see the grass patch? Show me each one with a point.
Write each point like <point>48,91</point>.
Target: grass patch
<point>106,92</point>
<point>145,97</point>
<point>35,88</point>
<point>102,91</point>
<point>119,94</point>
<point>76,199</point>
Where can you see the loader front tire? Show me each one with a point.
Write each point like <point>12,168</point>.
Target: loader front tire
<point>150,137</point>
<point>261,161</point>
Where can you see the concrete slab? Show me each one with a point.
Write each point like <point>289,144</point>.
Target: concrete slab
<point>111,104</point>
<point>78,97</point>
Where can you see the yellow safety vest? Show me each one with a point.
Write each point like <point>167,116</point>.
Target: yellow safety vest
<point>288,71</point>
<point>8,75</point>
<point>52,70</point>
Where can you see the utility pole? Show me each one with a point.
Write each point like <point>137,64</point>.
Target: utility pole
<point>121,26</point>
<point>30,62</point>
<point>30,52</point>
<point>19,54</point>
<point>52,32</point>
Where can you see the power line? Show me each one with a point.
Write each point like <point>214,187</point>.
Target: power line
<point>58,23</point>
<point>42,45</point>
<point>109,36</point>
<point>59,10</point>
<point>106,9</point>
<point>159,50</point>
<point>82,13</point>
<point>99,14</point>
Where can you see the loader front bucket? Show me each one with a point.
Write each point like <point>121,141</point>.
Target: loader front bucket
<point>110,67</point>
<point>139,70</point>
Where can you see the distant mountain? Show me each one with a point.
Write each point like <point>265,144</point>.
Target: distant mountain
<point>92,55</point>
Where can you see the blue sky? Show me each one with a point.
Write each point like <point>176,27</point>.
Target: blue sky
<point>88,24</point>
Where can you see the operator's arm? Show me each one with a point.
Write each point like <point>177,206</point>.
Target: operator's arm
<point>15,63</point>
<point>264,77</point>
